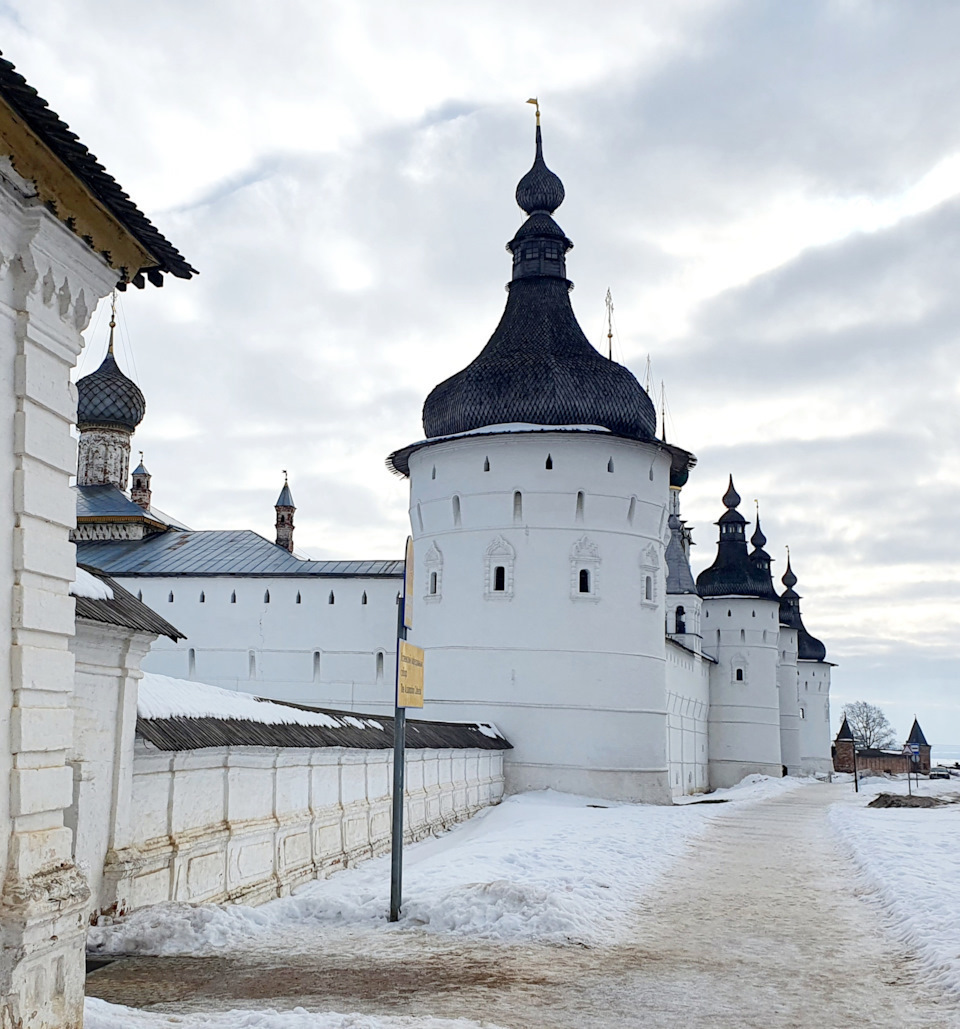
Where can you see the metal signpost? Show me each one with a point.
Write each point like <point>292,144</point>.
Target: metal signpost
<point>907,752</point>
<point>409,694</point>
<point>915,761</point>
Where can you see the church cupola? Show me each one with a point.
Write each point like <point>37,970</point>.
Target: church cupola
<point>731,574</point>
<point>140,492</point>
<point>760,562</point>
<point>285,508</point>
<point>109,408</point>
<point>538,367</point>
<point>809,648</point>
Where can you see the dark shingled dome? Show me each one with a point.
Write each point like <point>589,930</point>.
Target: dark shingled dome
<point>108,397</point>
<point>809,648</point>
<point>538,366</point>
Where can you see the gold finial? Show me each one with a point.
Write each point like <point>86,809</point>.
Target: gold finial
<point>113,320</point>
<point>533,100</point>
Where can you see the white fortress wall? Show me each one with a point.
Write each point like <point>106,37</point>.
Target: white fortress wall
<point>340,654</point>
<point>815,735</point>
<point>688,708</point>
<point>787,683</point>
<point>575,679</point>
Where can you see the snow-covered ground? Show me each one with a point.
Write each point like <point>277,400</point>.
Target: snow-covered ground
<point>910,857</point>
<point>541,866</point>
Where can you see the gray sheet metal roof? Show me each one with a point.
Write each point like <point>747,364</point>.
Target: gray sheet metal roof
<point>124,610</point>
<point>197,733</point>
<point>231,552</point>
<point>103,503</point>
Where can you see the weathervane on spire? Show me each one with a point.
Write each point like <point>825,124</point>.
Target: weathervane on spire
<point>533,100</point>
<point>663,412</point>
<point>113,320</point>
<point>284,476</point>
<point>609,303</point>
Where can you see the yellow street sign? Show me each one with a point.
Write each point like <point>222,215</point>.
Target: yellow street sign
<point>408,586</point>
<point>410,676</point>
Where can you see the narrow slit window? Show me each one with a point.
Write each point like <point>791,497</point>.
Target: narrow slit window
<point>139,594</point>
<point>680,624</point>
<point>548,464</point>
<point>316,666</point>
<point>233,597</point>
<point>266,596</point>
<point>331,599</point>
<point>499,579</point>
<point>298,596</point>
<point>251,665</point>
<point>433,584</point>
<point>363,599</point>
<point>579,513</point>
<point>584,580</point>
<point>517,507</point>
<point>203,597</point>
<point>632,511</point>
<point>486,464</point>
<point>433,474</point>
<point>379,666</point>
<point>743,636</point>
<point>648,588</point>
<point>610,465</point>
<point>419,517</point>
<point>456,510</point>
<point>170,597</point>
<point>739,675</point>
<point>191,662</point>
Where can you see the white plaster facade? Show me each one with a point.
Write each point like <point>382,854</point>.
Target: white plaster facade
<point>813,681</point>
<point>550,616</point>
<point>50,282</point>
<point>253,634</point>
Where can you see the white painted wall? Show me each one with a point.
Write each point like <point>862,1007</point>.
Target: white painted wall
<point>50,282</point>
<point>252,823</point>
<point>815,737</point>
<point>575,681</point>
<point>688,708</point>
<point>743,634</point>
<point>787,682</point>
<point>312,652</point>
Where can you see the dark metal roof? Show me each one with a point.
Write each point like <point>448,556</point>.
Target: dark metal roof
<point>197,733</point>
<point>731,573</point>
<point>286,497</point>
<point>679,576</point>
<point>66,146</point>
<point>219,552</point>
<point>916,735</point>
<point>124,610</point>
<point>108,397</point>
<point>109,503</point>
<point>845,732</point>
<point>538,367</point>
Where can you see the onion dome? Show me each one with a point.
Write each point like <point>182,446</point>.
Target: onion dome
<point>538,366</point>
<point>809,648</point>
<point>732,573</point>
<point>108,397</point>
<point>540,189</point>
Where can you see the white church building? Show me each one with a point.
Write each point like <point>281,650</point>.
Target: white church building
<point>553,592</point>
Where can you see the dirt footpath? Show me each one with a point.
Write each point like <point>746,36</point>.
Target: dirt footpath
<point>760,927</point>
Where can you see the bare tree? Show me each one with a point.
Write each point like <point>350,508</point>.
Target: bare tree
<point>869,726</point>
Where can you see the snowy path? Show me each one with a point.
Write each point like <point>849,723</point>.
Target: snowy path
<point>759,926</point>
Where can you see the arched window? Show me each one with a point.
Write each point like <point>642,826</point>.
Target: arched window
<point>233,597</point>
<point>266,596</point>
<point>251,665</point>
<point>648,587</point>
<point>729,613</point>
<point>191,663</point>
<point>379,666</point>
<point>743,636</point>
<point>170,597</point>
<point>203,597</point>
<point>330,599</point>
<point>363,599</point>
<point>316,666</point>
<point>499,579</point>
<point>298,596</point>
<point>610,465</point>
<point>433,584</point>
<point>584,580</point>
<point>681,625</point>
<point>579,513</point>
<point>517,507</point>
<point>548,464</point>
<point>456,510</point>
<point>739,675</point>
<point>486,464</point>
<point>803,714</point>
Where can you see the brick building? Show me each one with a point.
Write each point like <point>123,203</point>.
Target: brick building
<point>874,760</point>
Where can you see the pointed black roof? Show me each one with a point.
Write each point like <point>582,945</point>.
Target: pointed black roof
<point>538,366</point>
<point>286,497</point>
<point>916,735</point>
<point>732,573</point>
<point>809,648</point>
<point>679,576</point>
<point>108,397</point>
<point>845,732</point>
<point>760,562</point>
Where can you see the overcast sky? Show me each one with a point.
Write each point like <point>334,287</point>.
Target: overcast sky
<point>770,190</point>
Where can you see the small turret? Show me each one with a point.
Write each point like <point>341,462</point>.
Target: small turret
<point>760,562</point>
<point>285,508</point>
<point>731,573</point>
<point>140,492</point>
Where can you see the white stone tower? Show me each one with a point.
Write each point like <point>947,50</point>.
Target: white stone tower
<point>741,630</point>
<point>538,505</point>
<point>787,676</point>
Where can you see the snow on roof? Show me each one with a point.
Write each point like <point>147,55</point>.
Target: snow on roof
<point>89,586</point>
<point>161,696</point>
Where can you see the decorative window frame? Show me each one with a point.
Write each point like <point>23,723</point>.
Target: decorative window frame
<point>585,555</point>
<point>650,565</point>
<point>499,552</point>
<point>433,563</point>
<point>740,660</point>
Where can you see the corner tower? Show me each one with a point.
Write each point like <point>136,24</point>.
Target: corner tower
<point>285,509</point>
<point>538,505</point>
<point>741,630</point>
